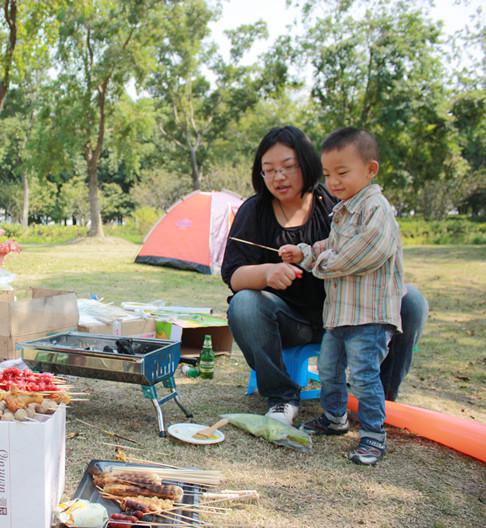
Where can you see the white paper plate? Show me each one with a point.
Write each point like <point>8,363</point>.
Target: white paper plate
<point>185,432</point>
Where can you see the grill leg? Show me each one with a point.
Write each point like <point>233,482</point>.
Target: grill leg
<point>150,392</point>
<point>160,417</point>
<point>183,409</point>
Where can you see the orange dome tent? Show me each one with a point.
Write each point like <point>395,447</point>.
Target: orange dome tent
<point>192,234</point>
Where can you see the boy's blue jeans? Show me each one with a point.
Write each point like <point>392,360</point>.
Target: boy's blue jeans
<point>362,349</point>
<point>262,323</point>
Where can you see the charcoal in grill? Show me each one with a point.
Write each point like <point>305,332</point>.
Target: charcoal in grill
<point>125,346</point>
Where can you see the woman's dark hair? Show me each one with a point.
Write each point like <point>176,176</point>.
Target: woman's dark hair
<point>307,157</point>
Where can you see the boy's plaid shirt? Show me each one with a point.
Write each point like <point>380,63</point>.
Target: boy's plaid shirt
<point>362,265</point>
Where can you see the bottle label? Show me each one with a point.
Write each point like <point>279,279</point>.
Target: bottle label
<point>206,369</point>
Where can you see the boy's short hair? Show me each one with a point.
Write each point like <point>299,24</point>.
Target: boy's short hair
<point>365,143</point>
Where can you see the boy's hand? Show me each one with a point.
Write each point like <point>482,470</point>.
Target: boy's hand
<point>319,247</point>
<point>291,254</point>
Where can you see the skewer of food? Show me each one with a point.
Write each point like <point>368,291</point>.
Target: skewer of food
<point>25,394</point>
<point>139,493</point>
<point>28,380</point>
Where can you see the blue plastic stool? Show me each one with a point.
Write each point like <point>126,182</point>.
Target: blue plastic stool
<point>296,360</point>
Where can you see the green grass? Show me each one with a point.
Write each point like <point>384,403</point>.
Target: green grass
<point>419,484</point>
<point>414,230</point>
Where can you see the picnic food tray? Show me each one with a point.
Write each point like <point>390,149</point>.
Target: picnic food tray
<point>87,490</point>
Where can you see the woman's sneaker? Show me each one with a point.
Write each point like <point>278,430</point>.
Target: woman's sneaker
<point>323,426</point>
<point>283,412</point>
<point>369,451</point>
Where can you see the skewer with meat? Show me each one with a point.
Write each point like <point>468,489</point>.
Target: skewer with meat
<point>137,483</point>
<point>170,492</point>
<point>147,505</point>
<point>61,397</point>
<point>105,477</point>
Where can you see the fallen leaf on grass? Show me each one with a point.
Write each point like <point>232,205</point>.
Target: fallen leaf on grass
<point>72,434</point>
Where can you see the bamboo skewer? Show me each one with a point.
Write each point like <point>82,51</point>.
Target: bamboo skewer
<point>149,524</point>
<point>119,446</point>
<point>152,463</point>
<point>110,433</point>
<point>210,497</point>
<point>253,244</point>
<point>180,518</point>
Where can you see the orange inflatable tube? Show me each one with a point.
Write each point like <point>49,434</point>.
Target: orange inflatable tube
<point>461,434</point>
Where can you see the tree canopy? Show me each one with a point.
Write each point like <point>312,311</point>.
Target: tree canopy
<point>111,105</point>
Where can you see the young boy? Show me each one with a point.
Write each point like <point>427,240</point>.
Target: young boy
<point>361,264</point>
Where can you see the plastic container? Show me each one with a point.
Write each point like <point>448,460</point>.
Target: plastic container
<point>189,371</point>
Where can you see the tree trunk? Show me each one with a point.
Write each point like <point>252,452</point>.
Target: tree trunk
<point>196,172</point>
<point>10,15</point>
<point>92,156</point>
<point>26,202</point>
<point>3,93</point>
<point>96,227</point>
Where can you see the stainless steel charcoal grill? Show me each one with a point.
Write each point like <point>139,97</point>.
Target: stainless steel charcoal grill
<point>145,362</point>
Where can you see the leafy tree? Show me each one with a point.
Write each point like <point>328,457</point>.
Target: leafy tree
<point>199,94</point>
<point>159,189</point>
<point>8,41</point>
<point>43,201</point>
<point>382,71</point>
<point>72,201</point>
<point>14,160</point>
<point>469,110</point>
<point>232,155</point>
<point>27,29</point>
<point>115,204</point>
<point>103,43</point>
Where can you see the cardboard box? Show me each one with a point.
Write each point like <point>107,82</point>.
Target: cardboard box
<point>128,327</point>
<point>190,331</point>
<point>45,312</point>
<point>32,464</point>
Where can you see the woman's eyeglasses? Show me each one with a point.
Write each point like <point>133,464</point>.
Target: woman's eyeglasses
<point>270,174</point>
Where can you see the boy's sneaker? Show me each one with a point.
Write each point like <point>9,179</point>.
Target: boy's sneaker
<point>369,451</point>
<point>323,426</point>
<point>283,412</point>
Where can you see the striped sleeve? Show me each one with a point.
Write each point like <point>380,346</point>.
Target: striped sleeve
<point>364,252</point>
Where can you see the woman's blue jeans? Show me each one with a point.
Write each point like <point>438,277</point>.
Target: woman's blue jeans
<point>262,324</point>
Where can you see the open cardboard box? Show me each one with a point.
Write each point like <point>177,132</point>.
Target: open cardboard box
<point>191,332</point>
<point>42,312</point>
<point>32,466</point>
<point>139,327</point>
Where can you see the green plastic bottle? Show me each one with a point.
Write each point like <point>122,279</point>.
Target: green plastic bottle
<point>207,359</point>
<point>190,372</point>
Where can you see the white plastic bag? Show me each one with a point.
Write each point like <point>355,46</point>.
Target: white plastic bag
<point>5,279</point>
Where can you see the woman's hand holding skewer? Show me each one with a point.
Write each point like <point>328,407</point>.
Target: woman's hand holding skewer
<point>281,276</point>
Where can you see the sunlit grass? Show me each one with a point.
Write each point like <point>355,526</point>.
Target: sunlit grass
<point>419,484</point>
